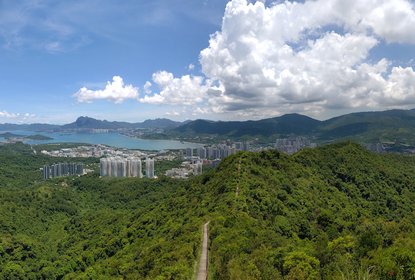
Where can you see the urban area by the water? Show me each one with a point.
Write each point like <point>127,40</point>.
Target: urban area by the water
<point>118,162</point>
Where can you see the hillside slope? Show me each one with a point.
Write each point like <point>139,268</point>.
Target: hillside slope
<point>336,212</point>
<point>320,214</point>
<point>366,127</point>
<point>284,125</point>
<point>91,123</point>
<point>372,126</point>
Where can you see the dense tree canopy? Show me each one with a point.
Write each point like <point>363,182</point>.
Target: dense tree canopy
<point>336,212</point>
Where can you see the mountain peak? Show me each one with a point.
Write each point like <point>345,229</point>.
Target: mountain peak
<point>91,123</point>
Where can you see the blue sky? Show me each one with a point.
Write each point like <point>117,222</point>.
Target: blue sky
<point>50,49</point>
<point>184,59</point>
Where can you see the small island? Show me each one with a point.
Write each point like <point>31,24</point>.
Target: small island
<point>38,137</point>
<point>9,135</point>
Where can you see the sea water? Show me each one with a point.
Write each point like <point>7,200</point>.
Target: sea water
<point>109,139</point>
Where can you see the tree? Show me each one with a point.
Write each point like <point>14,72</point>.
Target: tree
<point>300,266</point>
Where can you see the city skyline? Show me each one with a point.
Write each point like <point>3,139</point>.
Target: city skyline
<point>211,59</point>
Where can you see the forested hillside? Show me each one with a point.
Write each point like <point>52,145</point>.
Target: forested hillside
<point>290,124</point>
<point>363,127</point>
<point>336,212</point>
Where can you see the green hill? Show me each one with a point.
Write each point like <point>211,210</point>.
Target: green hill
<point>368,127</point>
<point>91,123</point>
<point>284,125</point>
<point>336,212</point>
<point>372,126</point>
<point>365,127</point>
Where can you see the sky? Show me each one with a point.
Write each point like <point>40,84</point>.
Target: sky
<point>134,60</point>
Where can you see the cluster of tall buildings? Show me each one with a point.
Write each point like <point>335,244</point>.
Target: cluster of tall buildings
<point>218,151</point>
<point>125,167</point>
<point>62,169</point>
<point>293,145</point>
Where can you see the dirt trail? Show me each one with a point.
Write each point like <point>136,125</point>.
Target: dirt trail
<point>204,260</point>
<point>239,175</point>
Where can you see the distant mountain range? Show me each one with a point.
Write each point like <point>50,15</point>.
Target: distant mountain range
<point>91,123</point>
<point>377,126</point>
<point>86,122</point>
<point>287,124</point>
<point>384,126</point>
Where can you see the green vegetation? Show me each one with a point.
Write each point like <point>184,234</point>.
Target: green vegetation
<point>290,124</point>
<point>365,127</point>
<point>161,166</point>
<point>20,166</point>
<point>57,146</point>
<point>9,135</point>
<point>91,123</point>
<point>336,212</point>
<point>38,137</point>
<point>386,126</point>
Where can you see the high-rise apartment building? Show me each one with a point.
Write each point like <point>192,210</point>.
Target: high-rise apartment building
<point>201,152</point>
<point>149,168</point>
<point>46,172</point>
<point>121,167</point>
<point>62,169</point>
<point>104,167</point>
<point>189,152</point>
<point>134,168</point>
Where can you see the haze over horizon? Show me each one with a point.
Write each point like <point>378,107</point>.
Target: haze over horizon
<point>211,59</point>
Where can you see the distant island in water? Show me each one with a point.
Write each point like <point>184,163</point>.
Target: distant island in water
<point>10,136</point>
<point>391,127</point>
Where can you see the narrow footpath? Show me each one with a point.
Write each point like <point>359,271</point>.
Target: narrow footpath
<point>239,178</point>
<point>204,260</point>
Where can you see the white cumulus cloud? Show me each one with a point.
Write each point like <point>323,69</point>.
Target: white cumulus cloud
<point>19,117</point>
<point>7,115</point>
<point>186,90</point>
<point>115,91</point>
<point>286,56</point>
<point>309,57</point>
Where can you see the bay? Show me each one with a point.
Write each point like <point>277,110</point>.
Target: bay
<point>110,139</point>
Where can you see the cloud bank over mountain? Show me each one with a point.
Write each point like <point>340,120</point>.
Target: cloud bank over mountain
<point>312,56</point>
